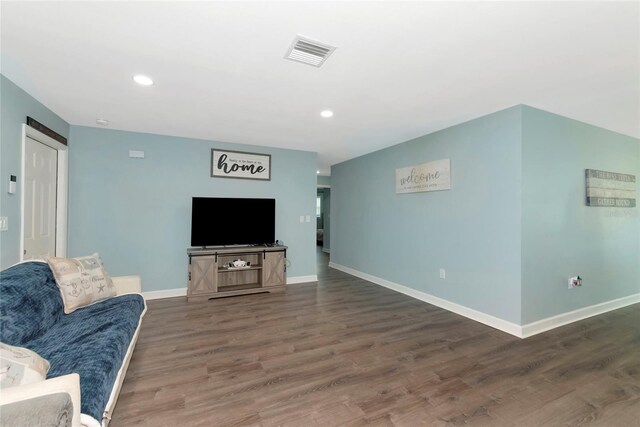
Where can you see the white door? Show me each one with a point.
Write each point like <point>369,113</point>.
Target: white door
<point>40,183</point>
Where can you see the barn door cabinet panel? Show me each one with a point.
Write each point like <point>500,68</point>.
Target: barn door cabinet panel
<point>274,270</point>
<point>204,275</point>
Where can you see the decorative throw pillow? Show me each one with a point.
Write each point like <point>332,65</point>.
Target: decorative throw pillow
<point>19,366</point>
<point>82,281</point>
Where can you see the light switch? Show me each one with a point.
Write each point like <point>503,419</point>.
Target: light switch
<point>4,223</point>
<point>308,218</point>
<point>301,218</point>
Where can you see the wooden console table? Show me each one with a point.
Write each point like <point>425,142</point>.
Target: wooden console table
<point>211,277</point>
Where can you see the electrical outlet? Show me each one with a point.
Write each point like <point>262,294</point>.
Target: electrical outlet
<point>4,223</point>
<point>574,282</point>
<point>443,273</point>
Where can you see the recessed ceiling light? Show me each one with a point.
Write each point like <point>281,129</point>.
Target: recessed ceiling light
<point>143,80</point>
<point>318,172</point>
<point>326,114</point>
<point>102,122</point>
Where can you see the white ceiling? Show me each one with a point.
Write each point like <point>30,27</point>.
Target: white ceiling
<point>400,70</point>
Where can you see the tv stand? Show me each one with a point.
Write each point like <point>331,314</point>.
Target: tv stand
<point>211,277</point>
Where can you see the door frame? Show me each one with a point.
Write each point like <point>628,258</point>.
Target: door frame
<point>62,183</point>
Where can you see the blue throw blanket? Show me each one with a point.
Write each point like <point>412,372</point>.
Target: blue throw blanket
<point>91,341</point>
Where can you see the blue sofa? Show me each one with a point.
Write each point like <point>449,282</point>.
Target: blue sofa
<point>95,342</point>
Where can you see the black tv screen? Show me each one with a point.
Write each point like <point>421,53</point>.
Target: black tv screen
<point>217,221</point>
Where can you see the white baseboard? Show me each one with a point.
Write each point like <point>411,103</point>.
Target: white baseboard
<point>553,322</point>
<point>182,292</point>
<point>165,293</point>
<point>302,279</point>
<point>487,319</point>
<point>520,331</point>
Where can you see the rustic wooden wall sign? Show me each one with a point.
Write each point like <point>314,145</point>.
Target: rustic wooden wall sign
<point>610,189</point>
<point>238,164</point>
<point>432,176</point>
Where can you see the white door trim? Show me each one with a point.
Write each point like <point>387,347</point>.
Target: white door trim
<point>62,185</point>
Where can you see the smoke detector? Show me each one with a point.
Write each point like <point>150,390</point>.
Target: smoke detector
<point>308,51</point>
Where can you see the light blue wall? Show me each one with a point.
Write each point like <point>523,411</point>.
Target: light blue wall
<point>137,212</point>
<point>15,106</point>
<point>472,231</point>
<point>561,236</point>
<point>324,181</point>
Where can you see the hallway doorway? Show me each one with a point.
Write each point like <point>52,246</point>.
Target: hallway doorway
<point>323,219</point>
<point>322,263</point>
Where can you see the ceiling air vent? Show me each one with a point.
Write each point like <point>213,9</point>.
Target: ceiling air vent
<point>309,51</point>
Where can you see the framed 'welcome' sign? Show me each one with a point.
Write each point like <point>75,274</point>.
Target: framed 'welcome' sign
<point>432,176</point>
<point>239,164</point>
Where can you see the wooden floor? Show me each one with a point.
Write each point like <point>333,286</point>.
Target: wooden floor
<point>347,352</point>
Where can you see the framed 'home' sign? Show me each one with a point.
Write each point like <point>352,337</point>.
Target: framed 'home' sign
<point>238,164</point>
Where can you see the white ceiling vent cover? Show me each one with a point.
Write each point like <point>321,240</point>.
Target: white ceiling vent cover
<point>309,51</point>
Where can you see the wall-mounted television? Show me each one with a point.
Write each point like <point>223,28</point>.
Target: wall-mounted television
<point>218,221</point>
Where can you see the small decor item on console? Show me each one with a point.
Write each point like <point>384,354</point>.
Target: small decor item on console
<point>239,263</point>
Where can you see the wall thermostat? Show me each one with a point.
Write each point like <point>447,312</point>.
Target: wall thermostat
<point>12,184</point>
